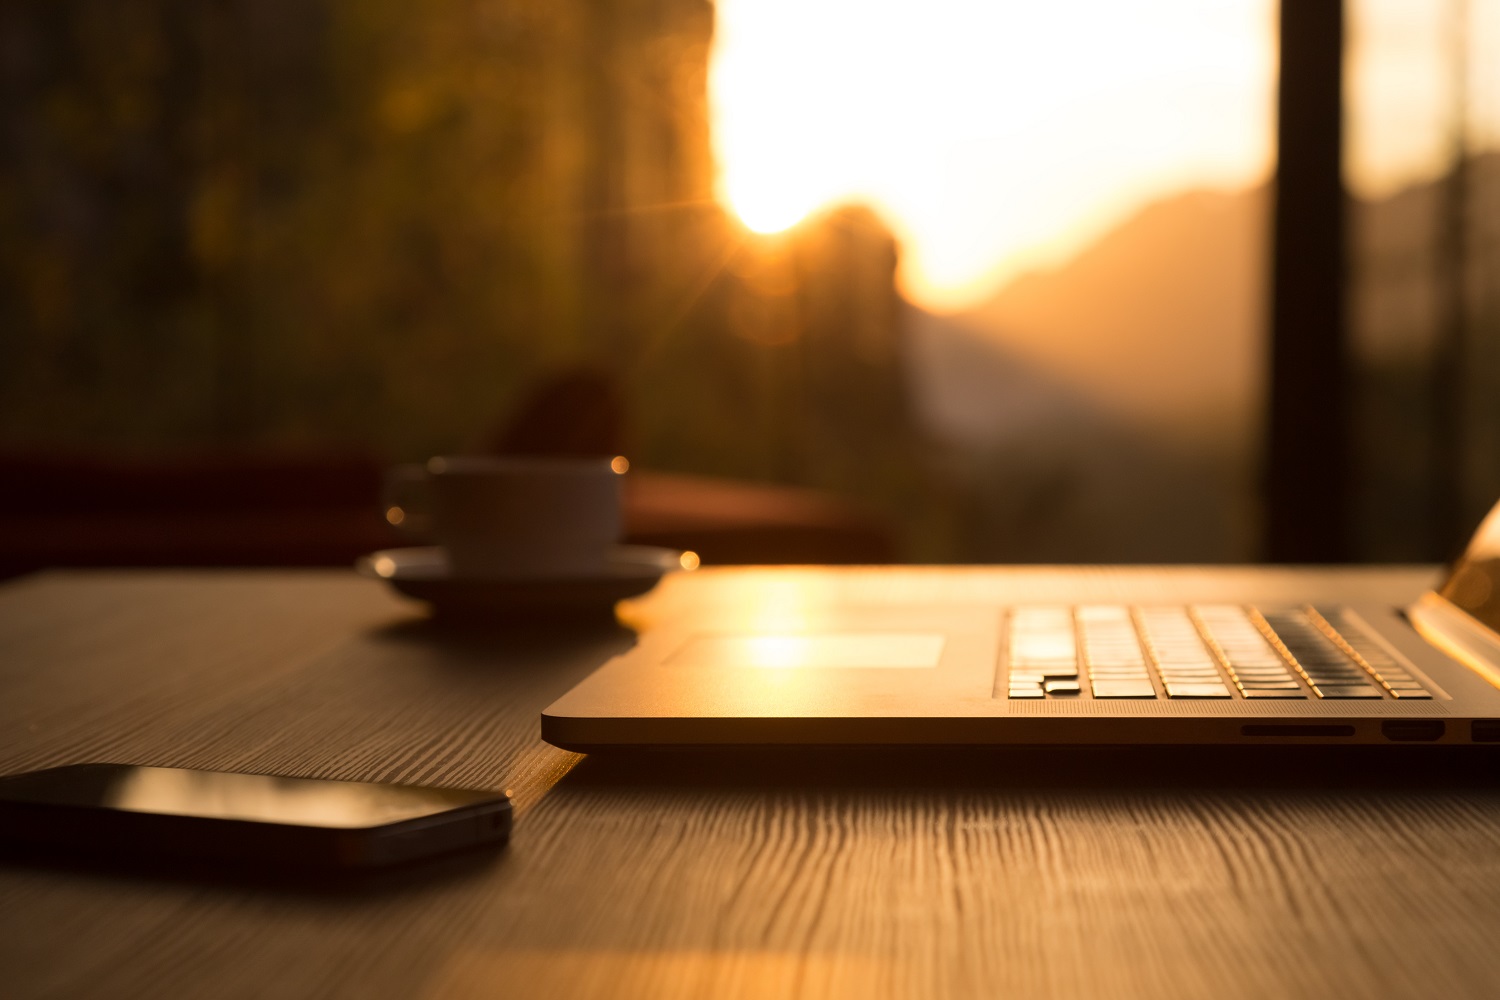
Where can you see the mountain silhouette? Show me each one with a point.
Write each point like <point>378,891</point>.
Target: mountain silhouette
<point>1158,322</point>
<point>1161,321</point>
<point>1116,400</point>
<point>1048,475</point>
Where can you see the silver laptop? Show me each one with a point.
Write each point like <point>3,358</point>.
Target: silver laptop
<point>1297,660</point>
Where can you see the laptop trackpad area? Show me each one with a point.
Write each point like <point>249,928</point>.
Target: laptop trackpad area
<point>859,661</point>
<point>813,651</point>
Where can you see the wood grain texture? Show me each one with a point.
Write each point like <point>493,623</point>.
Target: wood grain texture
<point>1046,873</point>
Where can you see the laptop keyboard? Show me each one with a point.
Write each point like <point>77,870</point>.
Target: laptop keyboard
<point>1200,652</point>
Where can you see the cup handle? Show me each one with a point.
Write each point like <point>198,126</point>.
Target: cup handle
<point>406,499</point>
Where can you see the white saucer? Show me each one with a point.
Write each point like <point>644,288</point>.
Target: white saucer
<point>423,572</point>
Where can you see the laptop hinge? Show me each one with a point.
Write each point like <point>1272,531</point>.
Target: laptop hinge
<point>1458,634</point>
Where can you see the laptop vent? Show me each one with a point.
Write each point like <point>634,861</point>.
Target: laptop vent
<point>1219,709</point>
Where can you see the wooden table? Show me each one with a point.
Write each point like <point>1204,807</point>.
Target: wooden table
<point>1057,873</point>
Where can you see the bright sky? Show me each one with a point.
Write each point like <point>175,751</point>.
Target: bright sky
<point>997,136</point>
<point>1400,87</point>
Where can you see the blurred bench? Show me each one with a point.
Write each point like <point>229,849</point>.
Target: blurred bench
<point>729,521</point>
<point>277,510</point>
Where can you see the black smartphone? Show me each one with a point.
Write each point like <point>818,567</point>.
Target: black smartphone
<point>124,810</point>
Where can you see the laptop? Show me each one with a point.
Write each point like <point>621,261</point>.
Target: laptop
<point>928,657</point>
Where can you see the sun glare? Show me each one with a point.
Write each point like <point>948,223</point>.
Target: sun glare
<point>997,136</point>
<point>992,137</point>
<point>767,207</point>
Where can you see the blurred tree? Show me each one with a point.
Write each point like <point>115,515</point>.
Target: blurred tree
<point>277,224</point>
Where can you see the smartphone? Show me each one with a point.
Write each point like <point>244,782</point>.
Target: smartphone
<point>262,820</point>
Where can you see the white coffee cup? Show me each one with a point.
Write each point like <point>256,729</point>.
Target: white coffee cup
<point>524,516</point>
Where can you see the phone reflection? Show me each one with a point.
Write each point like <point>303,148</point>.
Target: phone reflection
<point>269,799</point>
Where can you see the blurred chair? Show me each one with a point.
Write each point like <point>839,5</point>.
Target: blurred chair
<point>580,411</point>
<point>201,510</point>
<point>324,509</point>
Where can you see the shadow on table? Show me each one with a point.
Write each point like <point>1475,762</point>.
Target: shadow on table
<point>491,630</point>
<point>411,877</point>
<point>570,648</point>
<point>1043,768</point>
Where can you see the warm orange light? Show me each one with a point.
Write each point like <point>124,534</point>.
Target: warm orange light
<point>769,207</point>
<point>395,515</point>
<point>620,464</point>
<point>776,651</point>
<point>688,560</point>
<point>992,137</point>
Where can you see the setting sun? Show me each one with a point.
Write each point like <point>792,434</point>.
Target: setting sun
<point>999,137</point>
<point>991,137</point>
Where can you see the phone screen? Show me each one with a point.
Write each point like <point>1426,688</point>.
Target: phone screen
<point>258,798</point>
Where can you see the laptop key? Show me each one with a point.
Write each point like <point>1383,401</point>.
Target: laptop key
<point>1410,693</point>
<point>1124,689</point>
<point>1062,687</point>
<point>1274,693</point>
<point>1197,690</point>
<point>1027,692</point>
<point>1347,691</point>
